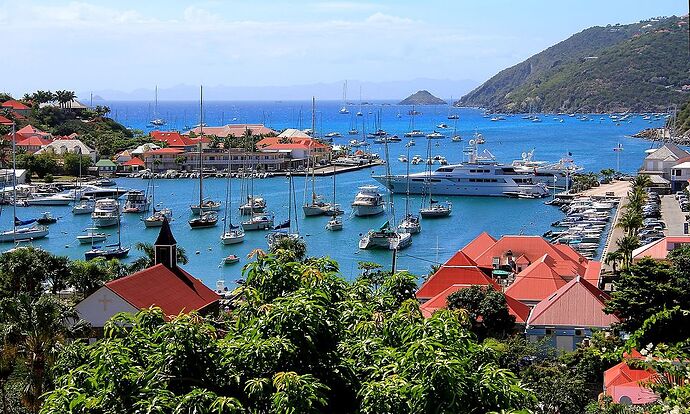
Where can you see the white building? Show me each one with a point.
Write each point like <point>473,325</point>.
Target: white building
<point>661,160</point>
<point>71,146</point>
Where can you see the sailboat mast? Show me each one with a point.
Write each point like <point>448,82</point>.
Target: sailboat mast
<point>407,189</point>
<point>14,182</point>
<point>201,137</point>
<point>227,197</point>
<point>428,172</point>
<point>155,105</point>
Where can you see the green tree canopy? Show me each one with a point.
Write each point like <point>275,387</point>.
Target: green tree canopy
<point>487,310</point>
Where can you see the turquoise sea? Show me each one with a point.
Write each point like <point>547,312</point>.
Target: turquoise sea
<point>590,142</point>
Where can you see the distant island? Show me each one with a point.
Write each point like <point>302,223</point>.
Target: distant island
<point>636,67</point>
<point>423,97</point>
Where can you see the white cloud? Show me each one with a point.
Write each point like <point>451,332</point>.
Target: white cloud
<point>197,15</point>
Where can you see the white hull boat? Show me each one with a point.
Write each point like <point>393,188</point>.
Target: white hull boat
<point>385,239</point>
<point>24,233</point>
<point>232,236</point>
<point>368,201</point>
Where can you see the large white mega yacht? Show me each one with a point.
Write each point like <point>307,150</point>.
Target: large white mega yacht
<point>553,174</point>
<point>480,176</point>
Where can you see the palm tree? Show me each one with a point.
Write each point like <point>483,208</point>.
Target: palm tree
<point>613,258</point>
<point>626,245</point>
<point>642,180</point>
<point>630,221</point>
<point>148,259</point>
<point>36,327</point>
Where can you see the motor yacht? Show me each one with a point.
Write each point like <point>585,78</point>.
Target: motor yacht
<point>260,221</point>
<point>368,201</point>
<point>253,205</point>
<point>106,213</point>
<point>136,202</point>
<point>480,176</point>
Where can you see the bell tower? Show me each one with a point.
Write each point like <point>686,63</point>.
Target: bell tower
<point>165,248</point>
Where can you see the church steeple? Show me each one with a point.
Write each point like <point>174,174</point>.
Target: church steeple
<point>165,248</point>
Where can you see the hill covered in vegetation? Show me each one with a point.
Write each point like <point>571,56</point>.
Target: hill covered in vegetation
<point>422,98</point>
<point>639,67</point>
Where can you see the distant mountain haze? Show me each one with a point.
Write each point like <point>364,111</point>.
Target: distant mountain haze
<point>397,90</point>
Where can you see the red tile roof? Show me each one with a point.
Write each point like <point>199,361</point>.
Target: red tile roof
<point>236,130</point>
<point>174,139</point>
<point>480,244</point>
<point>30,130</point>
<point>15,105</point>
<point>659,249</point>
<point>537,281</point>
<point>5,121</point>
<point>578,303</point>
<point>621,380</point>
<point>33,141</point>
<point>440,301</point>
<point>276,143</point>
<point>447,276</point>
<point>172,291</point>
<point>134,162</point>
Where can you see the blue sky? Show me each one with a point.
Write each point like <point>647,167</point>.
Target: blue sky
<point>124,45</point>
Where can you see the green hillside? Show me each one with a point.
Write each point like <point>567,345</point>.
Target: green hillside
<point>638,67</point>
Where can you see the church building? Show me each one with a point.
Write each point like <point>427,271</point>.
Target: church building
<point>163,285</point>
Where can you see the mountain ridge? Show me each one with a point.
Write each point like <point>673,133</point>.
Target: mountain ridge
<point>600,69</point>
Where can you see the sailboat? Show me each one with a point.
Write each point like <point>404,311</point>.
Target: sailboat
<point>435,209</point>
<point>156,121</point>
<point>19,233</point>
<point>231,234</point>
<point>334,223</point>
<point>455,137</point>
<point>285,229</point>
<point>343,109</point>
<point>316,207</point>
<point>359,113</point>
<point>353,127</point>
<point>112,251</point>
<point>81,206</point>
<point>156,219</point>
<point>386,236</point>
<point>413,132</point>
<point>207,215</point>
<point>452,115</point>
<point>410,223</point>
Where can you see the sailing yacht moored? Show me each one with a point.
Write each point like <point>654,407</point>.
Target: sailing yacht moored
<point>435,209</point>
<point>231,234</point>
<point>207,218</point>
<point>410,222</point>
<point>286,229</point>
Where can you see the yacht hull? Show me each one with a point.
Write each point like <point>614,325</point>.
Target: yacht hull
<point>398,184</point>
<point>362,211</point>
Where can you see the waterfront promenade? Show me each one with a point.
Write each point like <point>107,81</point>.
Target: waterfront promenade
<point>619,189</point>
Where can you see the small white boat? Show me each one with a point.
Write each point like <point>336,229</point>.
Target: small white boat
<point>24,233</point>
<point>231,259</point>
<point>92,237</point>
<point>456,138</point>
<point>233,235</point>
<point>436,210</point>
<point>435,135</point>
<point>253,205</point>
<point>106,213</point>
<point>368,201</point>
<point>84,207</point>
<point>258,222</point>
<point>333,135</point>
<point>385,238</point>
<point>136,202</point>
<point>334,224</point>
<point>206,206</point>
<point>49,200</point>
<point>410,224</point>
<point>414,133</point>
<point>402,158</point>
<point>442,126</point>
<point>156,219</point>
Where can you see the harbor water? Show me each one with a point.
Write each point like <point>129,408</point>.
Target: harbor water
<point>590,144</point>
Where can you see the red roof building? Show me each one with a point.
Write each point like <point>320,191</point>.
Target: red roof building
<point>133,164</point>
<point>570,314</point>
<point>32,143</point>
<point>164,285</point>
<point>174,139</point>
<point>5,121</point>
<point>626,385</point>
<point>236,130</point>
<point>659,249</point>
<point>16,106</point>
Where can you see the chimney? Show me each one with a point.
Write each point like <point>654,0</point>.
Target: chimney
<point>165,248</point>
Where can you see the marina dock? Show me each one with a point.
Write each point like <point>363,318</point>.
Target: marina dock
<point>328,170</point>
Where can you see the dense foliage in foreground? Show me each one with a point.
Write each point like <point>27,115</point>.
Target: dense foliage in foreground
<point>299,339</point>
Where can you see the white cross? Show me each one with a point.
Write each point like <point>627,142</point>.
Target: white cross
<point>105,301</point>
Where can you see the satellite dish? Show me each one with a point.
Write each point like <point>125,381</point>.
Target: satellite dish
<point>471,142</point>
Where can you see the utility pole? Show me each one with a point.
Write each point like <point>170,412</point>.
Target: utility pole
<point>393,262</point>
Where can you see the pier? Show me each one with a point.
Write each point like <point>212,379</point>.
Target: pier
<point>328,170</point>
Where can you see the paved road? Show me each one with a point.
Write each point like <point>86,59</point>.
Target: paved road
<point>672,216</point>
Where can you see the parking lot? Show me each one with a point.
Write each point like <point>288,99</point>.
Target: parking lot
<point>673,215</point>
